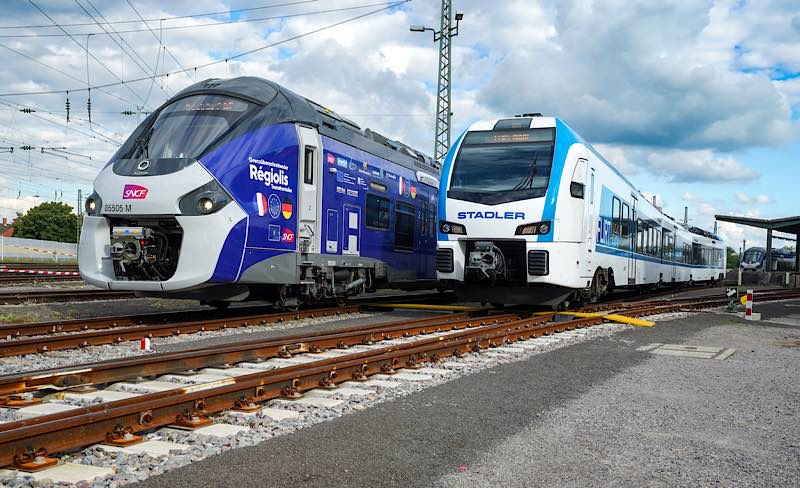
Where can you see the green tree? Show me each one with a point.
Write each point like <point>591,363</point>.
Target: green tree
<point>51,221</point>
<point>732,258</point>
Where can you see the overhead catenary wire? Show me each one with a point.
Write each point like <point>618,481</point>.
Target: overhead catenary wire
<point>193,26</point>
<point>147,70</point>
<point>160,39</point>
<point>94,135</point>
<point>177,17</point>
<point>388,6</point>
<point>51,67</point>
<point>87,51</point>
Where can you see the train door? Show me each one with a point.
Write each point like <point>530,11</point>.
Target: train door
<point>590,224</point>
<point>351,232</point>
<point>631,234</point>
<point>309,198</point>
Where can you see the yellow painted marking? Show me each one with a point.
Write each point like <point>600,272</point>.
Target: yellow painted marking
<point>613,317</point>
<point>422,306</point>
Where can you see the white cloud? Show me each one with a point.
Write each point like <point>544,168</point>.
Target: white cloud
<point>743,198</point>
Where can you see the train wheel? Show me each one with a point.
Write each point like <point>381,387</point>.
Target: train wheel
<point>341,301</point>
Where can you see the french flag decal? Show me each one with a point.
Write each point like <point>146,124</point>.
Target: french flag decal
<point>261,204</point>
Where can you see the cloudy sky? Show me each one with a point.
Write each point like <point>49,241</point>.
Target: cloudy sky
<point>697,101</point>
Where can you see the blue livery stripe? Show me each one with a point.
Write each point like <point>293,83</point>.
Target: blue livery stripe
<point>444,182</point>
<point>642,257</point>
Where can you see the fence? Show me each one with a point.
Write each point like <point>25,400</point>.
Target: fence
<point>16,249</point>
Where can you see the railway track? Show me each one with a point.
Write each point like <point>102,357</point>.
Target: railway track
<point>242,376</point>
<point>66,295</point>
<point>40,337</point>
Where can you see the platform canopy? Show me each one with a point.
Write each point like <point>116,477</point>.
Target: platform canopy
<point>789,225</point>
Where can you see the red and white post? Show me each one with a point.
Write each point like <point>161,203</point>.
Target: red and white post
<point>145,344</point>
<point>748,314</point>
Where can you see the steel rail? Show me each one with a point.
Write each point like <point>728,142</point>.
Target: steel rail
<point>97,423</point>
<point>16,297</point>
<point>253,350</point>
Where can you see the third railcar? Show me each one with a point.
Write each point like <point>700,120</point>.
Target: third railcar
<point>531,213</point>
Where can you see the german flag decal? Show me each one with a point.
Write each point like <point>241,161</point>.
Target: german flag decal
<point>286,208</point>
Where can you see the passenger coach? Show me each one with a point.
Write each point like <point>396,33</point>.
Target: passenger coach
<point>531,213</point>
<point>241,189</point>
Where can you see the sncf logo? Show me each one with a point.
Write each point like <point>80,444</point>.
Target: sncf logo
<point>134,192</point>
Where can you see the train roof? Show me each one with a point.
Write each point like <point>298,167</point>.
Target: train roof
<point>286,106</point>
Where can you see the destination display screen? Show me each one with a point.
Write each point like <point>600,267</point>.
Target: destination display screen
<point>211,102</point>
<point>510,136</point>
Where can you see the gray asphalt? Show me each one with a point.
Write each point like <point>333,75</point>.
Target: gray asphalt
<point>594,413</point>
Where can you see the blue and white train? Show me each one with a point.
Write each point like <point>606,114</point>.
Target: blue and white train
<point>530,213</point>
<point>754,259</point>
<point>240,189</point>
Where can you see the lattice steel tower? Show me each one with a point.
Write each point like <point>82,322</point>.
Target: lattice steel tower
<point>444,36</point>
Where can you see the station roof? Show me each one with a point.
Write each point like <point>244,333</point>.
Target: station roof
<point>790,225</point>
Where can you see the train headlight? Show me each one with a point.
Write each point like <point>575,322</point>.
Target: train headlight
<point>93,204</point>
<point>452,228</point>
<point>205,200</point>
<point>535,229</point>
<point>205,205</point>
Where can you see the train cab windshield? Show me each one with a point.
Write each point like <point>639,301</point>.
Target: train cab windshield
<point>503,165</point>
<point>188,126</point>
<point>753,256</point>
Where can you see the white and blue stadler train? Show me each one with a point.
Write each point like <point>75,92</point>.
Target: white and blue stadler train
<point>530,213</point>
<point>240,189</point>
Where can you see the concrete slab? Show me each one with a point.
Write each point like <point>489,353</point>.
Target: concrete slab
<point>649,347</point>
<point>509,349</point>
<point>257,366</point>
<point>310,401</point>
<point>682,347</point>
<point>279,414</point>
<point>338,392</point>
<point>726,354</point>
<point>67,473</point>
<point>495,354</point>
<point>144,387</point>
<point>103,395</point>
<point>221,430</point>
<point>409,376</point>
<point>44,409</point>
<point>372,383</point>
<point>687,354</point>
<point>152,448</point>
<point>454,365</point>
<point>228,371</point>
<point>192,379</point>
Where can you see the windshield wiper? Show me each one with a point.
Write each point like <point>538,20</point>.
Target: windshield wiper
<point>527,182</point>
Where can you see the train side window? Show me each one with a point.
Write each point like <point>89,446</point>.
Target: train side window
<point>404,226</point>
<point>377,215</point>
<point>308,166</point>
<point>626,225</point>
<point>639,236</point>
<point>615,216</point>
